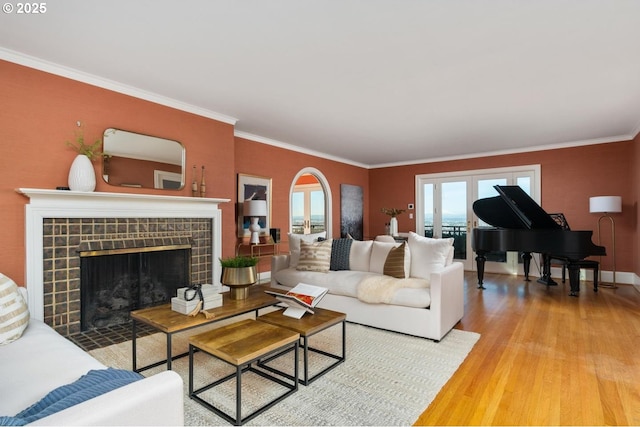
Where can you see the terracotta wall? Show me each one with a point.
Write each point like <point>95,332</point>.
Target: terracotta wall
<point>38,113</point>
<point>569,177</point>
<point>282,166</point>
<point>635,180</point>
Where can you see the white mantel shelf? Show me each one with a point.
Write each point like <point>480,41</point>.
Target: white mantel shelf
<point>143,204</point>
<point>45,203</point>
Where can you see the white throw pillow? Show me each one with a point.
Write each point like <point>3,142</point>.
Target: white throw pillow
<point>379,253</point>
<point>315,256</point>
<point>428,255</point>
<point>360,255</point>
<point>294,245</point>
<point>14,314</point>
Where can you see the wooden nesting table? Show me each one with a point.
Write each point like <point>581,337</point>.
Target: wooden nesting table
<point>308,325</point>
<point>169,322</point>
<point>241,344</point>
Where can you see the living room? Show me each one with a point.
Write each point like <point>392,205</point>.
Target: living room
<point>41,108</point>
<point>45,108</point>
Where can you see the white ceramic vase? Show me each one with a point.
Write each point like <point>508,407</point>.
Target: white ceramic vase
<point>82,176</point>
<point>393,226</point>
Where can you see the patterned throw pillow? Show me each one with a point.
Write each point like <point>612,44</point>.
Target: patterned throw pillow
<point>315,256</point>
<point>14,314</point>
<point>340,251</point>
<point>394,264</point>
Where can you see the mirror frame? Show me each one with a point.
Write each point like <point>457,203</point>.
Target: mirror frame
<point>137,147</point>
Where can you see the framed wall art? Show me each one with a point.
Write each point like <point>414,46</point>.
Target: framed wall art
<point>351,208</point>
<point>251,187</point>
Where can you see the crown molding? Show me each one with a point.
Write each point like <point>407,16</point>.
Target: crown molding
<point>73,74</point>
<point>291,147</point>
<point>618,138</point>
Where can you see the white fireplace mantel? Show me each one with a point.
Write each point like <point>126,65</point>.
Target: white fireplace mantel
<point>45,203</point>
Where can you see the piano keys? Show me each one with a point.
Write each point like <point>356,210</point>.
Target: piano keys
<point>520,224</point>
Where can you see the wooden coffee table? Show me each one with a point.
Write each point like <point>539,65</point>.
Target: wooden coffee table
<point>308,325</point>
<point>165,320</point>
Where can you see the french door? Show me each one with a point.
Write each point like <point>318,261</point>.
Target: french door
<point>307,207</point>
<point>444,208</point>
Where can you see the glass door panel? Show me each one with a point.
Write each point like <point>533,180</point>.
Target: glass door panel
<point>453,218</point>
<point>427,223</point>
<point>316,217</point>
<point>298,221</point>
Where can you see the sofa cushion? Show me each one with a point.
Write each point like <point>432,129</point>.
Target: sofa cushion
<point>315,256</point>
<point>346,282</point>
<point>379,253</point>
<point>429,255</point>
<point>360,255</point>
<point>294,244</point>
<point>394,264</point>
<point>340,254</point>
<point>14,314</point>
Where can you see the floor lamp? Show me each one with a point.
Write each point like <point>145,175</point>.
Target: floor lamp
<point>605,205</point>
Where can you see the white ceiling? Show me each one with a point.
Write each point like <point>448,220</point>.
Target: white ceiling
<point>369,82</point>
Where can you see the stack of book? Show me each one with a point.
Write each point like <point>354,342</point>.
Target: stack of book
<point>187,299</point>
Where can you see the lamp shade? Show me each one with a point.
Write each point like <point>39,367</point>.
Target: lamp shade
<point>608,204</point>
<point>255,208</point>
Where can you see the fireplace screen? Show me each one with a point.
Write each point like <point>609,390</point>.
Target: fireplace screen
<point>112,285</point>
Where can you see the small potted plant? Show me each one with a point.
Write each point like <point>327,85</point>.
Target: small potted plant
<point>82,176</point>
<point>238,273</point>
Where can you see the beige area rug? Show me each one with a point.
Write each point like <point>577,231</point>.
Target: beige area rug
<point>387,379</point>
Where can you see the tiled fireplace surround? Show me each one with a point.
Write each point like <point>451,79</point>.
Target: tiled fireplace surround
<point>59,223</point>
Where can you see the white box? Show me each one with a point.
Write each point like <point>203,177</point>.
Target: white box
<point>186,307</point>
<point>207,290</point>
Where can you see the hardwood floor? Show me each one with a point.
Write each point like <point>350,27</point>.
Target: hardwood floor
<point>545,358</point>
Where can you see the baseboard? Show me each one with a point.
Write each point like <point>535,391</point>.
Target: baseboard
<point>622,277</point>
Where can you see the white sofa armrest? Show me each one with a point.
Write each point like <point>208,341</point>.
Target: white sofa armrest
<point>447,296</point>
<point>278,262</point>
<point>153,401</point>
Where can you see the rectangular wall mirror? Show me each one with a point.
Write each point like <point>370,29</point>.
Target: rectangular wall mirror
<point>135,160</point>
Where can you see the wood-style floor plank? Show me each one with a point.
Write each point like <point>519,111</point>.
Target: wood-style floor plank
<point>545,358</point>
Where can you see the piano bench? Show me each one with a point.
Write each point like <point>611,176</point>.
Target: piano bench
<point>585,263</point>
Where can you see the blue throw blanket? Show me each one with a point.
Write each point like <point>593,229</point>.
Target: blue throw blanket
<point>94,383</point>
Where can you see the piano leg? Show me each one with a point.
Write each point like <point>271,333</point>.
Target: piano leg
<point>574,278</point>
<point>480,260</point>
<point>526,265</point>
<point>546,279</point>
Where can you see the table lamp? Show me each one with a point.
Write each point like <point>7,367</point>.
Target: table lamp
<point>255,209</point>
<point>606,205</point>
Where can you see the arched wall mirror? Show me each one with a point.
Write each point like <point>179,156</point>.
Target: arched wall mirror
<point>310,203</point>
<point>135,160</point>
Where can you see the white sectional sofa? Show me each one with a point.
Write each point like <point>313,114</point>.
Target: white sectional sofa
<point>41,360</point>
<point>427,302</point>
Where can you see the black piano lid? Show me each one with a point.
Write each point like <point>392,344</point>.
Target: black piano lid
<point>521,210</point>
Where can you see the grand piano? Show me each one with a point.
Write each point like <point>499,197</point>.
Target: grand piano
<point>522,225</point>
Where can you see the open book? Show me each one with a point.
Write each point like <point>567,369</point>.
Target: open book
<point>300,299</point>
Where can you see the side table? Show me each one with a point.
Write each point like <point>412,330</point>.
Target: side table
<point>241,344</point>
<point>308,325</point>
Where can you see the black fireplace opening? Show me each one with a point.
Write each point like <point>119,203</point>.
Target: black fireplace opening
<point>114,284</point>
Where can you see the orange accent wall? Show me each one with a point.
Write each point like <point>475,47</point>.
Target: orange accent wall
<point>307,180</point>
<point>39,113</point>
<point>633,205</point>
<point>569,177</point>
<point>282,166</point>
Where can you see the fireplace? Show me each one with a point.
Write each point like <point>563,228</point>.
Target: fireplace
<point>115,282</point>
<point>60,225</point>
